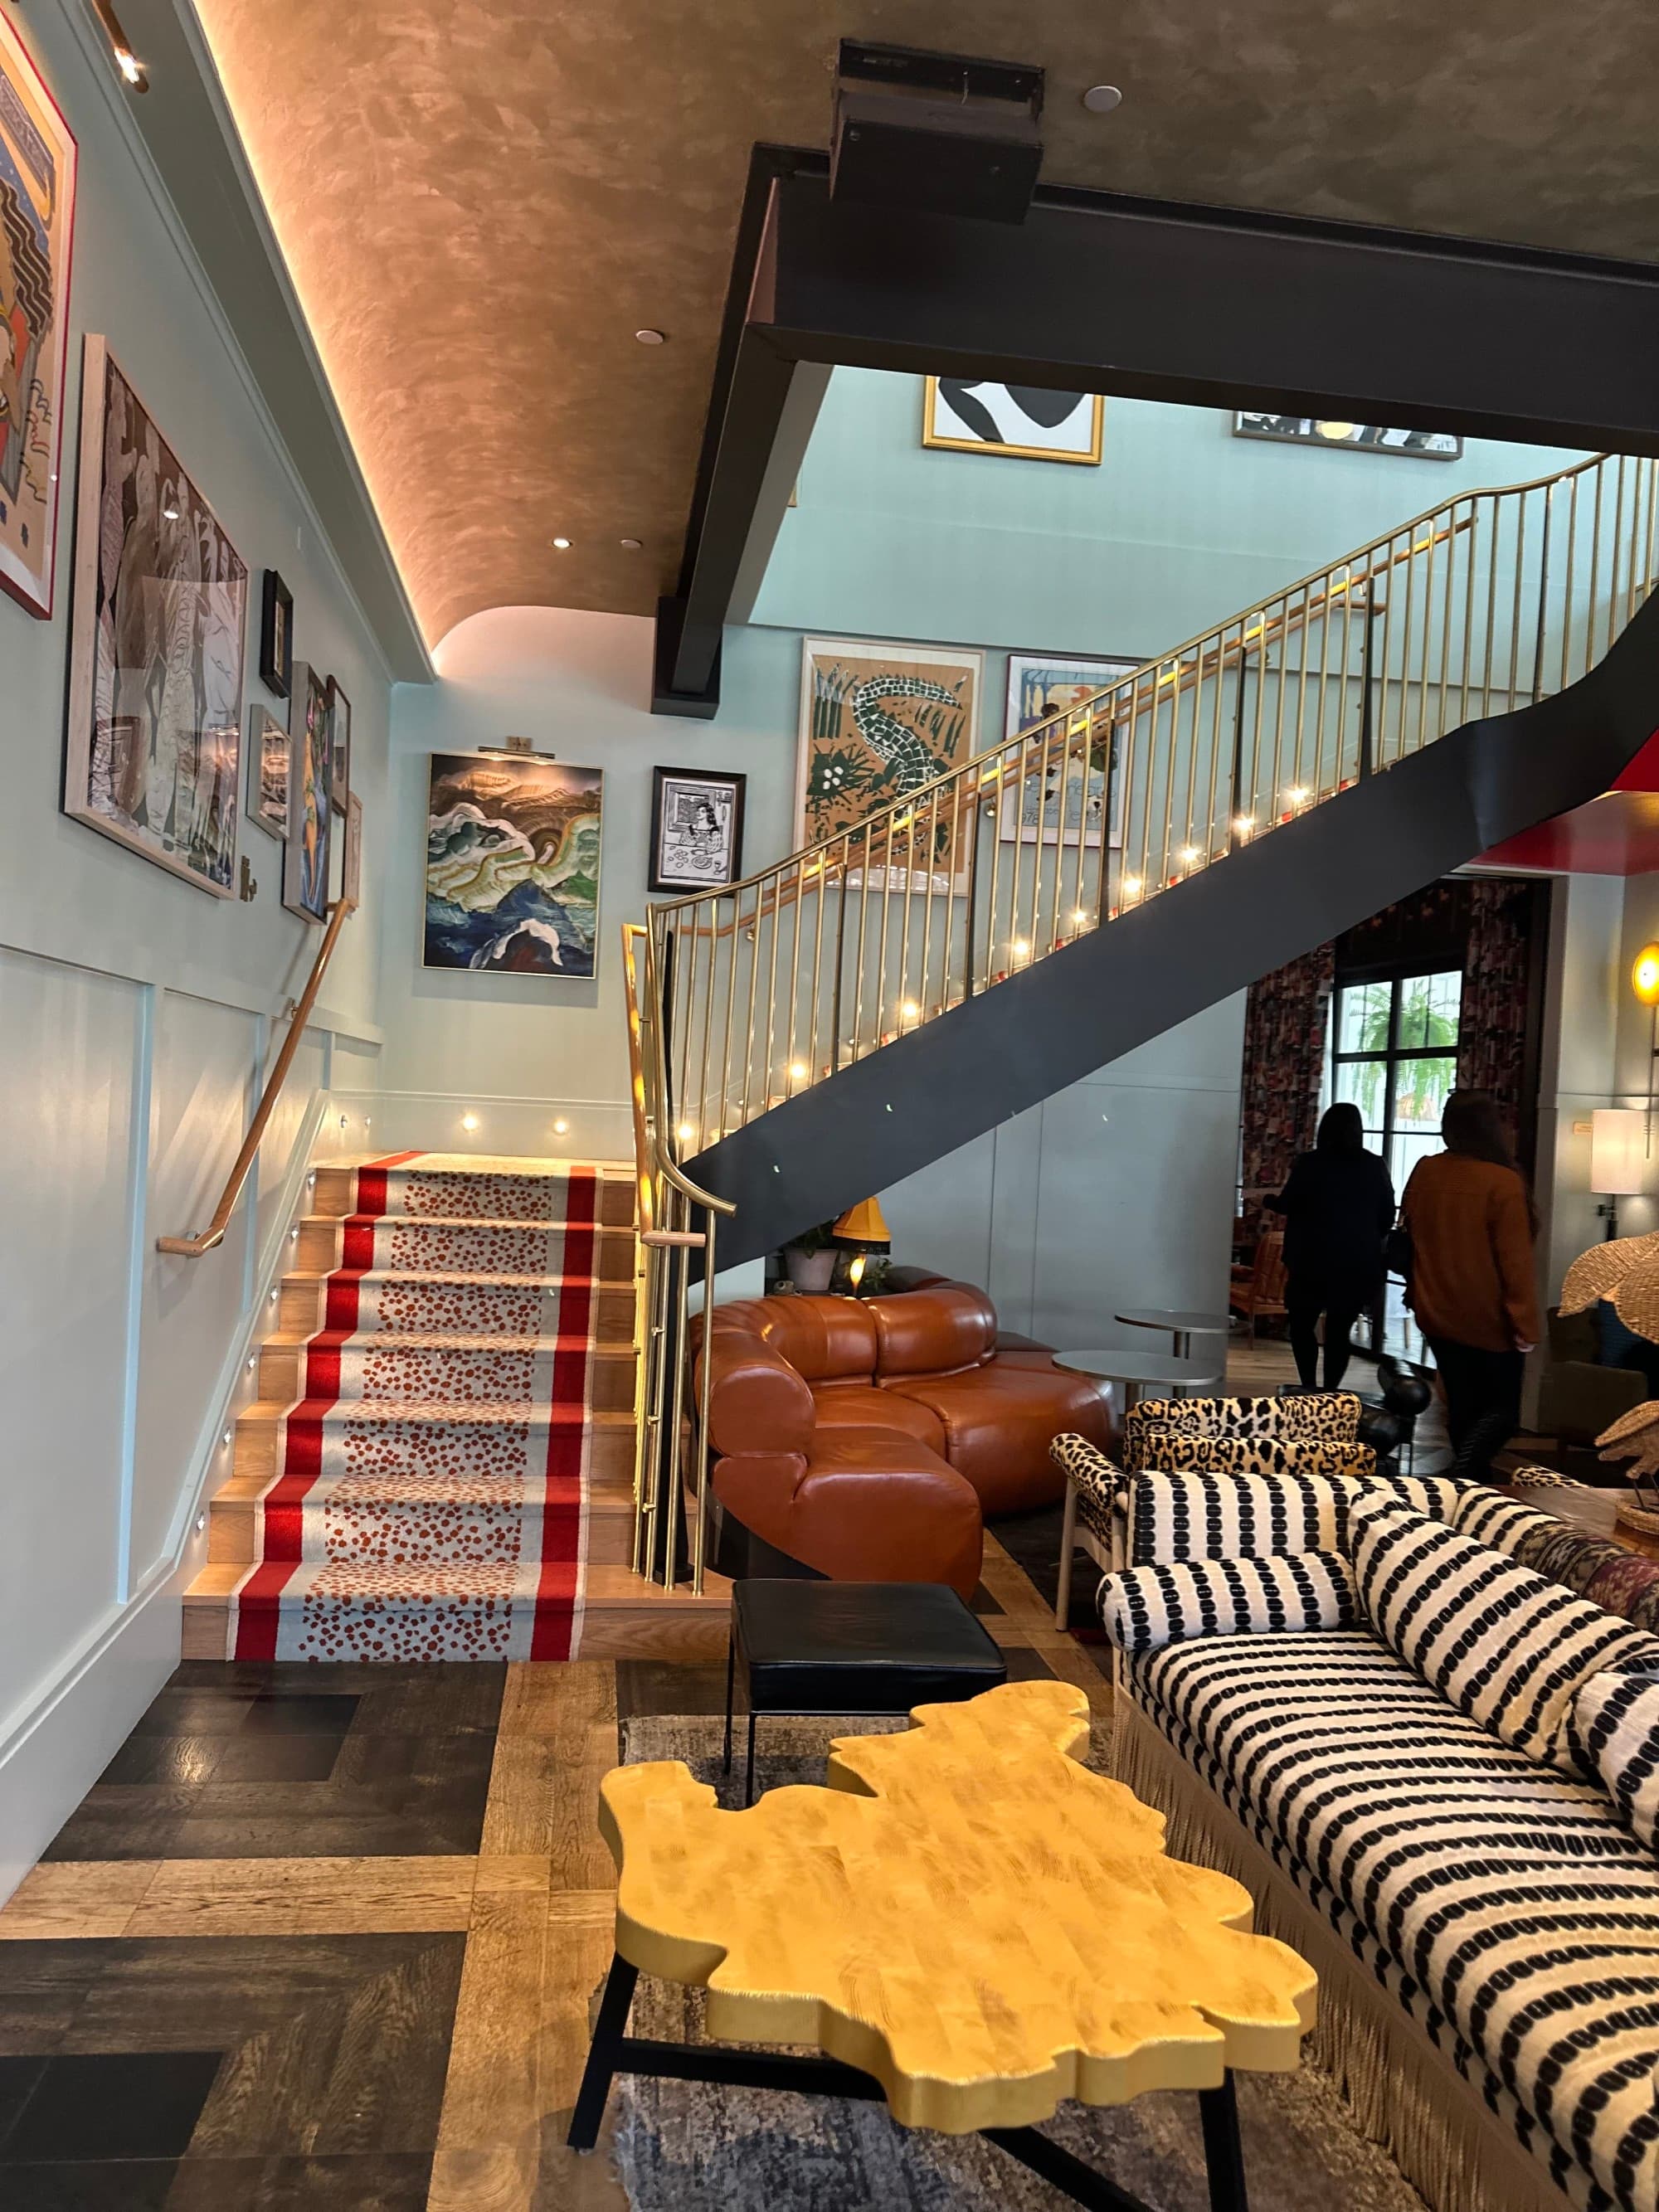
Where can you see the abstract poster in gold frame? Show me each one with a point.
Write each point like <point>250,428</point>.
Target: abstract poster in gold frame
<point>877,721</point>
<point>158,631</point>
<point>37,162</point>
<point>1023,421</point>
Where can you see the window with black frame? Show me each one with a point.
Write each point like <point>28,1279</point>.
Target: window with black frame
<point>1393,1054</point>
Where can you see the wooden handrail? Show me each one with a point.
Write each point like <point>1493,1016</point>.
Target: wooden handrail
<point>191,1248</point>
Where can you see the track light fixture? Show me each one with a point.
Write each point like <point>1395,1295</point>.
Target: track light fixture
<point>132,70</point>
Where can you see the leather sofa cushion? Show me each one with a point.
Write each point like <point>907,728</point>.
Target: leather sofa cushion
<point>865,1505</point>
<point>861,1405</point>
<point>824,1340</point>
<point>756,1400</point>
<point>937,1331</point>
<point>999,1422</point>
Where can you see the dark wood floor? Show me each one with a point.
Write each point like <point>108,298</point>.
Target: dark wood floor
<point>329,1937</point>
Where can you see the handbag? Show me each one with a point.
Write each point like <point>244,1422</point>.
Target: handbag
<point>1397,1251</point>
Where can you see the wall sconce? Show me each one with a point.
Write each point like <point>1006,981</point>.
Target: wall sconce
<point>1616,1159</point>
<point>1644,982</point>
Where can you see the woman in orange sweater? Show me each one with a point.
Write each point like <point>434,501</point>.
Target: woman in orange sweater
<point>1473,1286</point>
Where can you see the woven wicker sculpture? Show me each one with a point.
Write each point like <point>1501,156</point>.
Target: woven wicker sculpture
<point>1626,1272</point>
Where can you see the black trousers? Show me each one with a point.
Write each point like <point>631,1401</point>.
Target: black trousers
<point>1483,1402</point>
<point>1305,1299</point>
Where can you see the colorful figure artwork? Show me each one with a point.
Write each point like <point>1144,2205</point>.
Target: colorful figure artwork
<point>1039,687</point>
<point>696,829</point>
<point>513,865</point>
<point>157,638</point>
<point>37,221</point>
<point>310,817</point>
<point>877,723</point>
<point>1370,437</point>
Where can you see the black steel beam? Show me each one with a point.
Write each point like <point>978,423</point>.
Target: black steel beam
<point>926,1093</point>
<point>1155,299</point>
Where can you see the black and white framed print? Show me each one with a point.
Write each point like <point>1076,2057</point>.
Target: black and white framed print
<point>1027,421</point>
<point>268,749</point>
<point>339,746</point>
<point>1370,437</point>
<point>276,636</point>
<point>696,829</point>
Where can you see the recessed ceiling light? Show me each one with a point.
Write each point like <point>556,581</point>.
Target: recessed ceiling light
<point>1102,98</point>
<point>561,545</point>
<point>651,338</point>
<point>630,544</point>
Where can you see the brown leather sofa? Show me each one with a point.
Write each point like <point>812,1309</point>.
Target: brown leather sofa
<point>868,1438</point>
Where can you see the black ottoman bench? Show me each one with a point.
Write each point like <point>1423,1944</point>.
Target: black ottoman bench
<point>809,1648</point>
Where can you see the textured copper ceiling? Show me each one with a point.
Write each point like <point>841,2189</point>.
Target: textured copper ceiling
<point>481,200</point>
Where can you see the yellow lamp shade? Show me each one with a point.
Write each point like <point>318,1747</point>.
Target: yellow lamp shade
<point>1644,975</point>
<point>862,1225</point>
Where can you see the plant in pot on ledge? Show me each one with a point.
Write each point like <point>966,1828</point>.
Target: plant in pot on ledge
<point>809,1259</point>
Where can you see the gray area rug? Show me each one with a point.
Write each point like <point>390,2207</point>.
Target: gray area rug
<point>694,2147</point>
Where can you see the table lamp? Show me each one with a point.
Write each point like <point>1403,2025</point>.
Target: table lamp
<point>861,1230</point>
<point>1617,1152</point>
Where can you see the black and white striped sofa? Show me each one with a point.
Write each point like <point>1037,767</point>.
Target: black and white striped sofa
<point>1355,1699</point>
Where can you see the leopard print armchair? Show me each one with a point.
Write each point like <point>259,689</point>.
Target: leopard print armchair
<point>1311,1432</point>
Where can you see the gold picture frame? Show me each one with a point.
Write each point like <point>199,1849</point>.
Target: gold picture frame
<point>957,434</point>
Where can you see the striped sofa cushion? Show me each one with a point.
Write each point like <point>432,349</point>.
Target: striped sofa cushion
<point>1145,1608</point>
<point>1181,1515</point>
<point>1503,1523</point>
<point>1614,1731</point>
<point>1494,1637</point>
<point>1504,1903</point>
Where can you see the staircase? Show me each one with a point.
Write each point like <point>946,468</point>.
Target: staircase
<point>868,1005</point>
<point>440,1463</point>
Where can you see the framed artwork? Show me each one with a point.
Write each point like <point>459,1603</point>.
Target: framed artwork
<point>696,829</point>
<point>1309,430</point>
<point>276,636</point>
<point>37,162</point>
<point>966,415</point>
<point>1039,685</point>
<point>268,747</point>
<point>351,877</point>
<point>877,721</point>
<point>513,865</point>
<point>310,815</point>
<point>157,631</point>
<point>339,746</point>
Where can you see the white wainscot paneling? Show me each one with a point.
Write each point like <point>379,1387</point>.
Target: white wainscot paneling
<point>202,1089</point>
<point>290,1119</point>
<point>67,1079</point>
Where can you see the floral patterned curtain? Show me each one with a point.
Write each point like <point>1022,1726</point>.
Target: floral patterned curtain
<point>1492,1045</point>
<point>1283,1060</point>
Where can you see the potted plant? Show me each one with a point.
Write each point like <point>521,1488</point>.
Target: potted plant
<point>809,1259</point>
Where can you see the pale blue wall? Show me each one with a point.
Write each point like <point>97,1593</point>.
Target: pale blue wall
<point>1181,526</point>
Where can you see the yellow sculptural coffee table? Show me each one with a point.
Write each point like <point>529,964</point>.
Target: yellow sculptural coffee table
<point>965,1920</point>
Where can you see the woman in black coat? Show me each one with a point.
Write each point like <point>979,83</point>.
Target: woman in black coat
<point>1338,1207</point>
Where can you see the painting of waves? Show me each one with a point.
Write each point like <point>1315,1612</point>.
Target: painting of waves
<point>513,865</point>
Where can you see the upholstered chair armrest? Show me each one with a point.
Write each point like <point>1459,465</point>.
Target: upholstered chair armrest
<point>1100,1488</point>
<point>758,1402</point>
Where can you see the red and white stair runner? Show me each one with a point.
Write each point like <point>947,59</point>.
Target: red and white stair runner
<point>429,1498</point>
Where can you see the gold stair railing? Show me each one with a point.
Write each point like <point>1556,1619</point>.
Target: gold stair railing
<point>667,1464</point>
<point>192,1247</point>
<point>756,990</point>
<point>1481,604</point>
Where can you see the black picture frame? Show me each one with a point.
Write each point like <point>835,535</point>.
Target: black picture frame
<point>732,786</point>
<point>339,746</point>
<point>276,636</point>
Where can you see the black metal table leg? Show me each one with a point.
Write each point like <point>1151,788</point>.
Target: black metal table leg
<point>602,2054</point>
<point>1081,2183</point>
<point>748,1771</point>
<point>731,1679</point>
<point>1224,2154</point>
